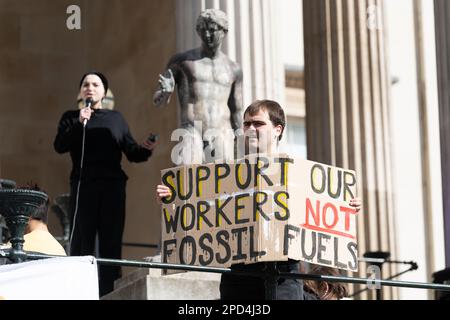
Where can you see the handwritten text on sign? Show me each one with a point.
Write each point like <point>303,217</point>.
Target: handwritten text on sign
<point>265,209</point>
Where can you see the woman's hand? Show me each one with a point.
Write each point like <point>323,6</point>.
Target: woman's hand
<point>85,114</point>
<point>149,145</point>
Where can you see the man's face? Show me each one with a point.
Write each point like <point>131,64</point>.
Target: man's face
<point>211,34</point>
<point>261,136</point>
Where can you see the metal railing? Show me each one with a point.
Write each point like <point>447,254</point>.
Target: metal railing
<point>270,273</point>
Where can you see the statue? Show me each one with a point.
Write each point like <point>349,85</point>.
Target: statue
<point>209,88</point>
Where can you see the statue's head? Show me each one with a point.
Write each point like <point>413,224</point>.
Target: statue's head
<point>212,26</point>
<point>213,15</point>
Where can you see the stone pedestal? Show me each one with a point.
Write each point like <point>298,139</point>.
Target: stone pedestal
<point>150,284</point>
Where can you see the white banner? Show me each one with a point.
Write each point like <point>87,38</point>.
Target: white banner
<point>65,278</point>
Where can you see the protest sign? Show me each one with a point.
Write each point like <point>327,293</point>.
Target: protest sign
<point>260,208</point>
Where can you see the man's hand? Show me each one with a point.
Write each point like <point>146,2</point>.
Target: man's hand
<point>356,203</point>
<point>162,191</point>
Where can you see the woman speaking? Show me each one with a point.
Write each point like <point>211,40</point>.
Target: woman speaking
<point>96,138</point>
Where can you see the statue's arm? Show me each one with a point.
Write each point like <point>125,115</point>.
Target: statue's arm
<point>235,102</point>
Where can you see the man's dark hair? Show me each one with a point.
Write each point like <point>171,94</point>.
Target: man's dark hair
<point>276,113</point>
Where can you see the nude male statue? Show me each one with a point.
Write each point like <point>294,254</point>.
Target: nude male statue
<point>209,87</point>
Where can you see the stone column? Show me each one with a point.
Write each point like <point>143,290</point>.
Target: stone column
<point>442,23</point>
<point>187,12</point>
<point>346,90</point>
<point>251,42</point>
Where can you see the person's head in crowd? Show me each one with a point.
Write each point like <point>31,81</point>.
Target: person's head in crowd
<point>323,289</point>
<point>264,123</point>
<point>40,216</point>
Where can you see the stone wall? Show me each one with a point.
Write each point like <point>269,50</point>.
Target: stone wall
<point>41,61</point>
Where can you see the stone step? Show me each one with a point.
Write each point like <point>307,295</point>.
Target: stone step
<point>181,286</point>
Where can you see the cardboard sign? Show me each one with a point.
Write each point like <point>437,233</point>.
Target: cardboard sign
<point>260,208</point>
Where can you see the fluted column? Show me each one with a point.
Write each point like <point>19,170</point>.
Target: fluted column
<point>187,12</point>
<point>251,42</point>
<point>346,90</point>
<point>442,22</point>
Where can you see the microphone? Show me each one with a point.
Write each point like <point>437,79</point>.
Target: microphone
<point>88,104</point>
<point>376,257</point>
<point>382,255</point>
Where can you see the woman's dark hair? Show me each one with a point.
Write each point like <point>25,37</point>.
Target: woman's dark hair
<point>41,212</point>
<point>98,74</point>
<point>323,289</point>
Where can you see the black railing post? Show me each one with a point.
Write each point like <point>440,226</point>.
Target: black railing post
<point>379,258</point>
<point>16,206</point>
<point>270,280</point>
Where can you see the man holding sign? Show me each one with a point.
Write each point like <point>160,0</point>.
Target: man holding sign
<point>264,123</point>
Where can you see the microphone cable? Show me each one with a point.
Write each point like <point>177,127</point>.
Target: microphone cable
<point>88,104</point>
